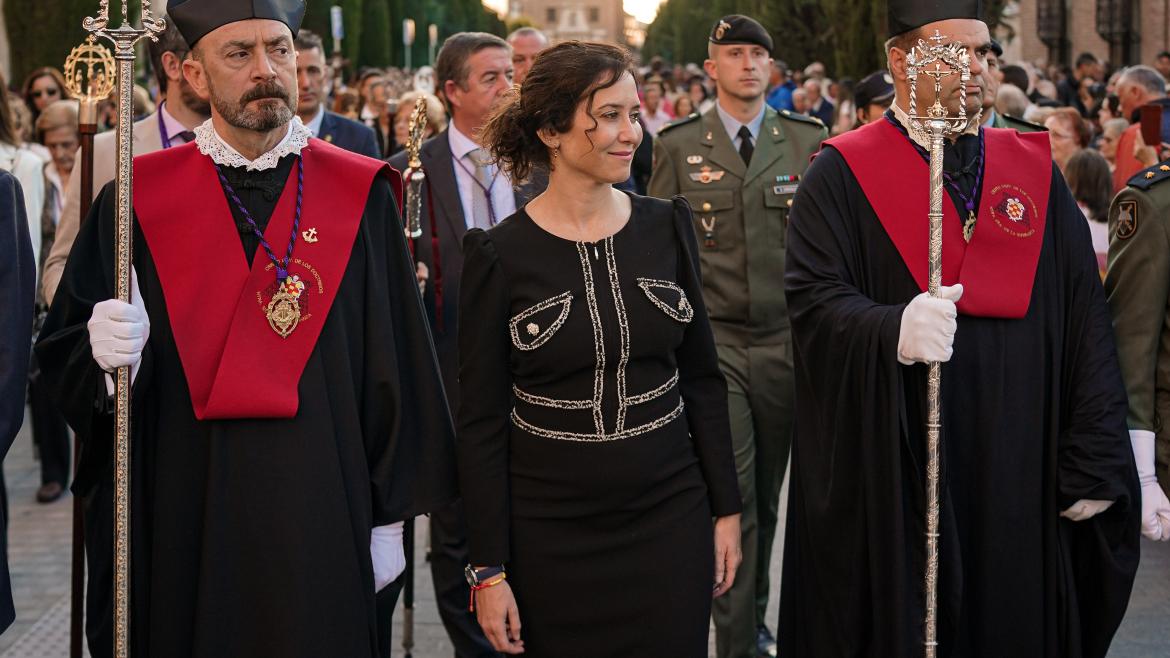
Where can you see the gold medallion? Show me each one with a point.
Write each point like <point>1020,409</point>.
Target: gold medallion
<point>284,309</point>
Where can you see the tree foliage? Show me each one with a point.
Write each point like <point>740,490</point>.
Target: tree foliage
<point>42,33</point>
<point>847,35</point>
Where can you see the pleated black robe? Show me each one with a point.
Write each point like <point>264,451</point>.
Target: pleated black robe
<point>1033,420</point>
<point>251,536</point>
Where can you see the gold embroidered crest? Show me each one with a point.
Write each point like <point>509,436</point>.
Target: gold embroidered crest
<point>1127,219</point>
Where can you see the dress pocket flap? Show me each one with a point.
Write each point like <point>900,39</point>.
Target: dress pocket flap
<point>669,297</point>
<point>533,327</point>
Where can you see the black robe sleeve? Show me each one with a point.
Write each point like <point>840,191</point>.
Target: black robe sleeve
<point>847,460</point>
<point>1094,459</point>
<point>412,469</point>
<point>17,283</point>
<point>701,382</point>
<point>485,382</point>
<point>63,349</point>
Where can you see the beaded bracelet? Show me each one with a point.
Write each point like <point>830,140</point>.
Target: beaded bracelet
<point>491,583</point>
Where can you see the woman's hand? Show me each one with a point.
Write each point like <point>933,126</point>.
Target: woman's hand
<point>728,555</point>
<point>495,608</point>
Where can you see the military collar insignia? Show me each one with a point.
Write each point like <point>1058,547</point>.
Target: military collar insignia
<point>1147,178</point>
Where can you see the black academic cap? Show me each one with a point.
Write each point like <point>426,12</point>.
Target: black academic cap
<point>877,87</point>
<point>196,18</point>
<point>906,15</point>
<point>740,29</point>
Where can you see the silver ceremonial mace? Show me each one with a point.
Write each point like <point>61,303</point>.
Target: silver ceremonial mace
<point>124,38</point>
<point>936,61</point>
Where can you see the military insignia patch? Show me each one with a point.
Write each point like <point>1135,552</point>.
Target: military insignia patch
<point>722,29</point>
<point>705,175</point>
<point>1127,219</point>
<point>694,159</point>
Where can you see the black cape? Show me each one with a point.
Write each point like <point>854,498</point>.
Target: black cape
<point>1033,420</point>
<point>18,275</point>
<point>251,537</point>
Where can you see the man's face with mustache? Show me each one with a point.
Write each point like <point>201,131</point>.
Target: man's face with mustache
<point>248,71</point>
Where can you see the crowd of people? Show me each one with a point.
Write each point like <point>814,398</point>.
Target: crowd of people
<point>547,166</point>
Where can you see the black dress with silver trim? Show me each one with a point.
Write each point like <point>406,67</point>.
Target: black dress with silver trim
<point>594,445</point>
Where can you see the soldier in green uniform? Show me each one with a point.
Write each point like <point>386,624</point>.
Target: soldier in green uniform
<point>1138,287</point>
<point>739,165</point>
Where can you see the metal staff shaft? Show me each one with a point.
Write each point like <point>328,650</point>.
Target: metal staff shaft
<point>124,38</point>
<point>124,252</point>
<point>408,589</point>
<point>933,390</point>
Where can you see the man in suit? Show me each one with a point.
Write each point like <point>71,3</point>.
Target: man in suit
<point>472,71</point>
<point>17,284</point>
<point>170,125</point>
<point>313,78</point>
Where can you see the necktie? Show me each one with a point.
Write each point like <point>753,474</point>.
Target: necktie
<point>481,216</point>
<point>745,145</point>
<point>187,136</point>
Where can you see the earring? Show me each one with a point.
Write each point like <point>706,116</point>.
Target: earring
<point>556,151</point>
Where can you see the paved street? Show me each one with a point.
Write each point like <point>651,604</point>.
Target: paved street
<point>38,549</point>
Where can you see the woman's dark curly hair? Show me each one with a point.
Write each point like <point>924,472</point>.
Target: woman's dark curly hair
<point>560,79</point>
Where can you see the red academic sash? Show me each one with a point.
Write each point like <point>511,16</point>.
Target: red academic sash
<point>236,365</point>
<point>998,267</point>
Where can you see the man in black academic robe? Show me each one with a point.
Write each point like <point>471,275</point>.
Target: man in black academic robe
<point>268,462</point>
<point>1039,511</point>
<point>18,275</point>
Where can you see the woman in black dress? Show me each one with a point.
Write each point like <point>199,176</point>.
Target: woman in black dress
<point>594,447</point>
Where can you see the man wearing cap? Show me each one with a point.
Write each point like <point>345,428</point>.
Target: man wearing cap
<point>288,413</point>
<point>739,164</point>
<point>993,79</point>
<point>1039,497</point>
<point>873,96</point>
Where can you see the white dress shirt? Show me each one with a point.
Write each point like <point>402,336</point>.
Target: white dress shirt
<point>732,125</point>
<point>503,198</point>
<point>314,124</point>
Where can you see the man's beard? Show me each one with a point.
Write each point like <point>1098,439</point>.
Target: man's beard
<point>268,117</point>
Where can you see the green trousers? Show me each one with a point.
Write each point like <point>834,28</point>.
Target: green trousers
<point>760,396</point>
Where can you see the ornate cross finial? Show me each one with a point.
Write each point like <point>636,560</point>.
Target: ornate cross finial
<point>937,61</point>
<point>938,38</point>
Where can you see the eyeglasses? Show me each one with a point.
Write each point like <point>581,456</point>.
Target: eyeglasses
<point>37,93</point>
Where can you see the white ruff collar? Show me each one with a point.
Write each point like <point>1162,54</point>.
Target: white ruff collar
<point>920,136</point>
<point>222,154</point>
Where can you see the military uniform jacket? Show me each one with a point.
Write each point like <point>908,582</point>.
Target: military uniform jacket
<point>1138,287</point>
<point>740,214</point>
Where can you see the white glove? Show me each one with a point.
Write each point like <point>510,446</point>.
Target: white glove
<point>928,327</point>
<point>387,554</point>
<point>1085,509</point>
<point>118,333</point>
<point>1155,507</point>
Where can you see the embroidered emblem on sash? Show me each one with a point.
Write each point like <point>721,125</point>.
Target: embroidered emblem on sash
<point>1013,210</point>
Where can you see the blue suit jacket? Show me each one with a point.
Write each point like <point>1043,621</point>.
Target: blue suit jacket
<point>17,285</point>
<point>349,135</point>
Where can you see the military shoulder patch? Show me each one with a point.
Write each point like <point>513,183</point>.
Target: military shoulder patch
<point>1021,125</point>
<point>1127,219</point>
<point>802,118</point>
<point>1147,178</point>
<point>678,122</point>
